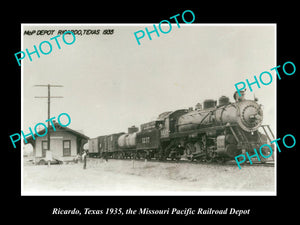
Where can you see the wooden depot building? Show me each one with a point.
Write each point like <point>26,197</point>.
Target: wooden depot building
<point>65,144</point>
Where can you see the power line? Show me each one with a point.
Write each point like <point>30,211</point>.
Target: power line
<point>48,97</point>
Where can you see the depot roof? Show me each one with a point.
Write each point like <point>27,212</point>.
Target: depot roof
<point>57,127</point>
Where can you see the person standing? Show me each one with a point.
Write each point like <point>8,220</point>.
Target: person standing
<point>105,157</point>
<point>84,155</point>
<point>48,157</point>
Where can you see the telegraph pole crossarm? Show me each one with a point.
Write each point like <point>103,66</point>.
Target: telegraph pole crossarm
<point>47,96</point>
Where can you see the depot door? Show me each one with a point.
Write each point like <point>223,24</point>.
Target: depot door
<point>44,148</point>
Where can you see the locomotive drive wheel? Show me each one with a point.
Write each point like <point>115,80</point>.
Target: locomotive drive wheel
<point>209,159</point>
<point>232,150</point>
<point>189,149</point>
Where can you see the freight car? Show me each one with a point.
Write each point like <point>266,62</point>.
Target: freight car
<point>215,132</point>
<point>105,146</point>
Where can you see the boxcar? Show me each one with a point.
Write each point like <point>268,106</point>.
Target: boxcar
<point>111,144</point>
<point>102,145</point>
<point>94,147</point>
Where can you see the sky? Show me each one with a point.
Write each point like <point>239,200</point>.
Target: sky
<point>111,83</point>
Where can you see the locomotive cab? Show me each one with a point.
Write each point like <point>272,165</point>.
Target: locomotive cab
<point>170,122</point>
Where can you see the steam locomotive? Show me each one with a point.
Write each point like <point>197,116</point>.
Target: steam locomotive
<point>214,132</point>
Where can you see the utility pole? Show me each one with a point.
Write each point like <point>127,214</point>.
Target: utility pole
<point>49,97</point>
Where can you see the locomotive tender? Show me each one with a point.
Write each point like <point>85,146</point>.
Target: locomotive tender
<point>216,132</point>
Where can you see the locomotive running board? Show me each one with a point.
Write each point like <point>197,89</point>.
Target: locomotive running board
<point>197,131</point>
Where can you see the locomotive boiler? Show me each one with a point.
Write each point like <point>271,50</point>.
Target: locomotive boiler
<point>246,114</point>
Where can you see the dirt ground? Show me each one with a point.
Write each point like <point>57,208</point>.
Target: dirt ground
<point>127,177</point>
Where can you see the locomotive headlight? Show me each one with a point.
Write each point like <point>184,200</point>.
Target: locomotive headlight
<point>255,117</point>
<point>250,115</point>
<point>258,117</point>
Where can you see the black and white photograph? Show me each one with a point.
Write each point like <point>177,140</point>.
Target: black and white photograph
<point>144,109</point>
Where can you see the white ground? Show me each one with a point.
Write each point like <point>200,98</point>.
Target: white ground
<point>131,178</point>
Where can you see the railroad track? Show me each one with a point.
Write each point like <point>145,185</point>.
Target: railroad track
<point>229,163</point>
